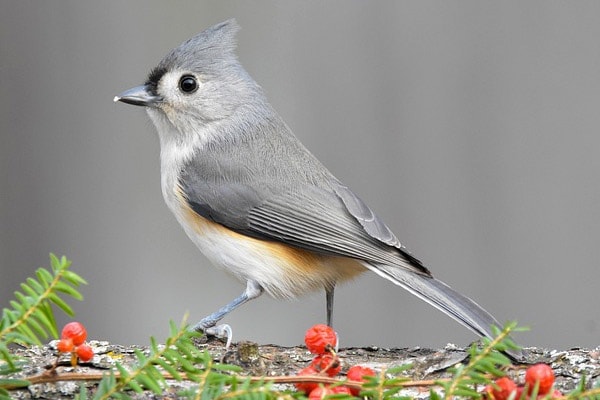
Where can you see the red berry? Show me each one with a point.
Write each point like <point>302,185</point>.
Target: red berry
<point>320,392</point>
<point>357,374</point>
<point>502,389</point>
<point>327,362</point>
<point>74,331</point>
<point>65,345</point>
<point>541,373</point>
<point>341,390</point>
<point>320,338</point>
<point>307,387</point>
<point>85,352</point>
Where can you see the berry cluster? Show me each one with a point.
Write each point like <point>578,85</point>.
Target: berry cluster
<point>321,340</point>
<point>72,340</point>
<point>539,378</point>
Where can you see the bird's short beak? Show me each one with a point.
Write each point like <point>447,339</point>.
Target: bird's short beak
<point>139,96</point>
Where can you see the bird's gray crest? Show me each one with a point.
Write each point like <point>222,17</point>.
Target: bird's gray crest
<point>208,52</point>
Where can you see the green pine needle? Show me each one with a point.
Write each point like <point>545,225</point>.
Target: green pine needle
<point>31,317</point>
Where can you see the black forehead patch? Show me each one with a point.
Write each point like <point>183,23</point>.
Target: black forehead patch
<point>155,75</point>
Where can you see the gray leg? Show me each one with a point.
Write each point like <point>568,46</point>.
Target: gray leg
<point>329,297</point>
<point>209,325</point>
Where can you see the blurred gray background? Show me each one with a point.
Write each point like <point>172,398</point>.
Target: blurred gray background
<point>470,127</point>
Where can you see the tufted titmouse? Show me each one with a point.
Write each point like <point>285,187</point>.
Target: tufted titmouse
<point>255,201</point>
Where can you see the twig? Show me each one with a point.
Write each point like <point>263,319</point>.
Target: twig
<point>54,376</point>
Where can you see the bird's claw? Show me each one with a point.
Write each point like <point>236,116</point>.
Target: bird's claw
<point>222,331</point>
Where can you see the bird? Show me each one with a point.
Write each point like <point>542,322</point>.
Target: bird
<point>256,201</point>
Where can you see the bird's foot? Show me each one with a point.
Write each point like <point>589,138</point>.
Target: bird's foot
<point>222,331</point>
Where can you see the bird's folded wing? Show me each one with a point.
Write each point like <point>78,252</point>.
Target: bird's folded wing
<point>330,221</point>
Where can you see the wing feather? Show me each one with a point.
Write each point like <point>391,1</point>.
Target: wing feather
<point>318,220</point>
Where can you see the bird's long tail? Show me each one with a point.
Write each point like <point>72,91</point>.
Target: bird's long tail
<point>444,298</point>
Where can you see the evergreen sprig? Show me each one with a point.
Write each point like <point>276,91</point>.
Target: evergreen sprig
<point>484,362</point>
<point>179,359</point>
<point>30,318</point>
<point>387,384</point>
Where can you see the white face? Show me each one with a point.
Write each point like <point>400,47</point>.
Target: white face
<point>180,89</point>
<point>191,99</point>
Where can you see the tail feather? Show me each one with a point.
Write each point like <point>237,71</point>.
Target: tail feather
<point>443,297</point>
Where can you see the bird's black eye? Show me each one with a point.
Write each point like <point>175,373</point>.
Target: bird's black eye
<point>188,84</point>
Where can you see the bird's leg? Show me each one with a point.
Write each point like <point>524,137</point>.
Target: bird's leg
<point>208,324</point>
<point>329,297</point>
